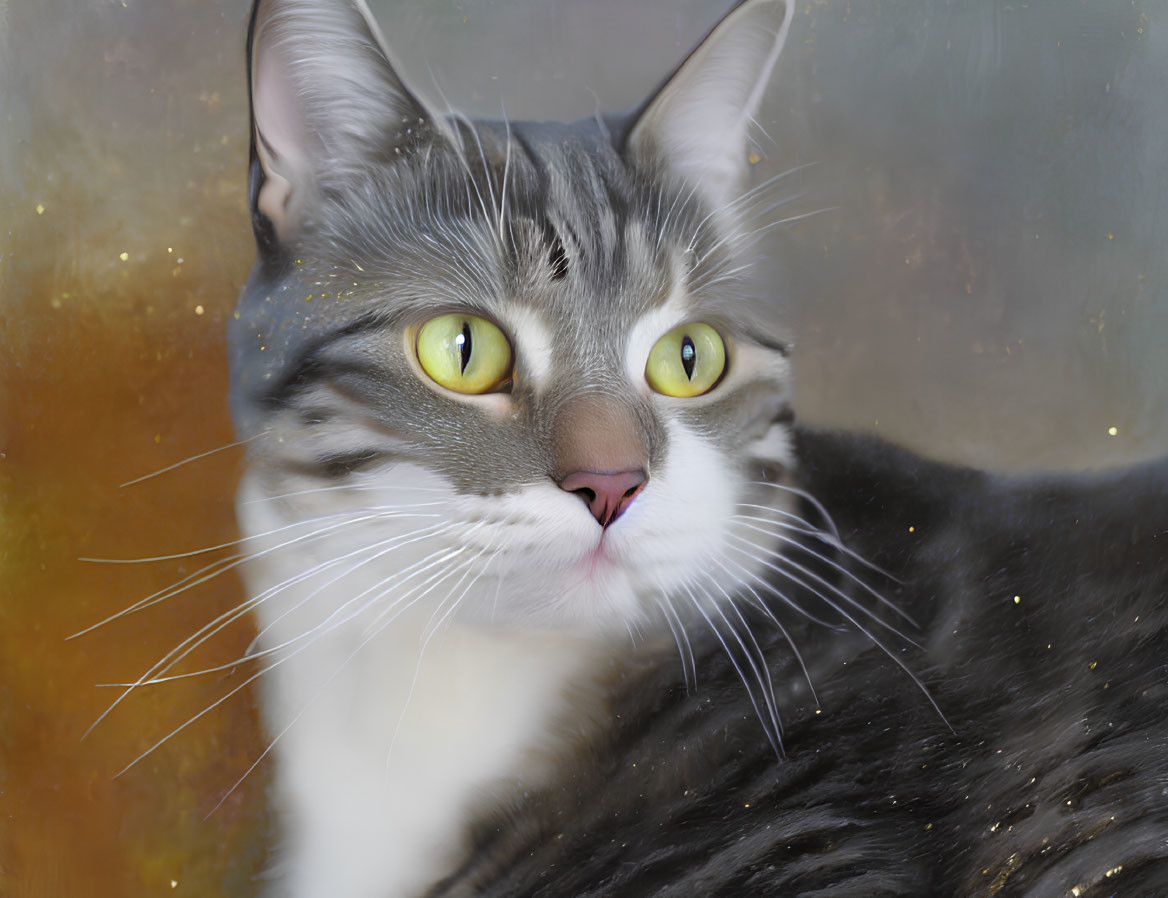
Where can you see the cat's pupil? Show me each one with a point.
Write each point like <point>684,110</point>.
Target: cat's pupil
<point>462,341</point>
<point>689,356</point>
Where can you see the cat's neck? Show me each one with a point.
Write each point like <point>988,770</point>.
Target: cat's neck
<point>478,723</point>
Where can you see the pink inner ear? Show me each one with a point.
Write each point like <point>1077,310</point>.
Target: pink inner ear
<point>279,137</point>
<point>277,113</point>
<point>698,123</point>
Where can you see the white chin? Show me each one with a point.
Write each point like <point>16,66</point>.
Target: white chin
<point>598,600</point>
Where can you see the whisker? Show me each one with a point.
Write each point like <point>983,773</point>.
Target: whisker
<point>174,556</point>
<point>868,633</point>
<point>749,195</point>
<point>344,488</point>
<point>186,461</point>
<point>184,648</point>
<point>786,600</point>
<point>251,679</point>
<point>787,542</point>
<point>802,494</point>
<point>465,566</point>
<point>821,535</point>
<point>393,543</point>
<point>746,238</point>
<point>431,627</point>
<point>765,609</point>
<point>222,565</point>
<point>506,172</point>
<point>761,670</point>
<point>272,744</point>
<point>771,738</point>
<point>783,559</point>
<point>669,613</point>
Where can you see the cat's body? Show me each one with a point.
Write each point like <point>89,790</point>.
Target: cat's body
<point>539,562</point>
<point>1053,777</point>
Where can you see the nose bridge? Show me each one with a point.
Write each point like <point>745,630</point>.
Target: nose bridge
<point>597,433</point>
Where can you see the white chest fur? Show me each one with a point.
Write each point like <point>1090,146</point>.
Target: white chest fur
<point>387,742</point>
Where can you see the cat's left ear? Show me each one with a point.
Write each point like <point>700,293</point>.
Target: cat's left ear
<point>697,123</point>
<point>326,104</point>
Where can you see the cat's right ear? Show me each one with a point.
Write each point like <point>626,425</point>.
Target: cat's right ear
<point>325,104</point>
<point>696,126</point>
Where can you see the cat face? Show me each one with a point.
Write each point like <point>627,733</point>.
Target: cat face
<point>513,369</point>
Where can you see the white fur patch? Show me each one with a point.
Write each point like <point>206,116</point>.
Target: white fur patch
<point>533,344</point>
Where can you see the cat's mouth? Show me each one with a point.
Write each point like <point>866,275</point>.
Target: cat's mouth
<point>600,559</point>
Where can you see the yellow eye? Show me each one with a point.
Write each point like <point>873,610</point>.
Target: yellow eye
<point>687,361</point>
<point>464,353</point>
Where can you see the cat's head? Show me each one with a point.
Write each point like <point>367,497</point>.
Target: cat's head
<point>535,348</point>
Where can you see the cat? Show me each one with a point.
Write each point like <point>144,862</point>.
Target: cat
<point>554,596</point>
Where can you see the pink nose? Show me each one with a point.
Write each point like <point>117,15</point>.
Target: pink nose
<point>607,495</point>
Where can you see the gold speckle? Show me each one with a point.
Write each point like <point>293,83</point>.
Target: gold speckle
<point>308,298</point>
<point>818,710</point>
<point>1017,600</point>
<point>1113,431</point>
<point>746,805</point>
<point>1091,666</point>
<point>928,826</point>
<point>754,159</point>
<point>170,249</point>
<point>174,883</point>
<point>125,257</point>
<point>912,529</point>
<point>1110,236</point>
<point>40,207</point>
<point>299,262</point>
<point>236,315</point>
<point>1114,871</point>
<point>157,438</point>
<point>1004,873</point>
<point>262,348</point>
<point>1076,891</point>
<point>199,310</point>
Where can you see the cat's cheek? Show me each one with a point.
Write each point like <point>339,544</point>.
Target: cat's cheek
<point>690,530</point>
<point>684,511</point>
